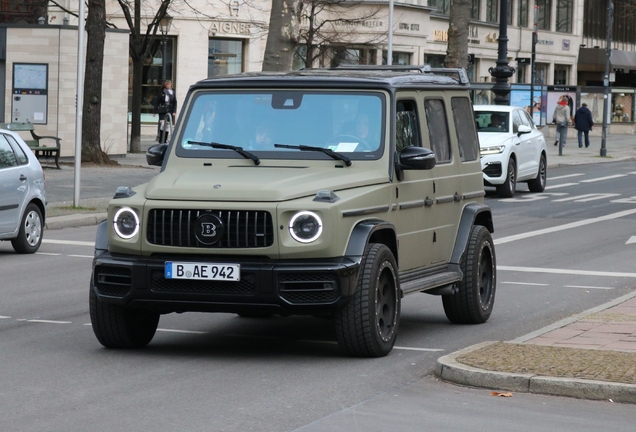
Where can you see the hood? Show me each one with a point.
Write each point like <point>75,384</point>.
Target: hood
<point>257,183</point>
<point>490,139</point>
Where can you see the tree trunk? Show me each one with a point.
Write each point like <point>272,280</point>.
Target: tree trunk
<point>457,51</point>
<point>137,62</point>
<point>92,109</point>
<point>282,37</point>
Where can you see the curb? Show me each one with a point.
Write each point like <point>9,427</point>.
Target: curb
<point>74,220</point>
<point>449,369</point>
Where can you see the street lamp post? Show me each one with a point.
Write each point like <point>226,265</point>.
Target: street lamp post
<point>606,78</point>
<point>503,71</point>
<point>164,27</point>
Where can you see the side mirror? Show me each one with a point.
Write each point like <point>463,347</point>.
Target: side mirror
<point>155,154</point>
<point>523,129</point>
<point>416,158</point>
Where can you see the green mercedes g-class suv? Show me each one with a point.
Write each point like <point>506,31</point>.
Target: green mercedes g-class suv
<point>327,192</point>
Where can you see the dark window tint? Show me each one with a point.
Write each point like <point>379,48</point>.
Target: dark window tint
<point>407,131</point>
<point>22,157</point>
<point>7,156</point>
<point>465,127</point>
<point>438,129</point>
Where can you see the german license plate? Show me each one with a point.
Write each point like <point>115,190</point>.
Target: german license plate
<point>203,271</point>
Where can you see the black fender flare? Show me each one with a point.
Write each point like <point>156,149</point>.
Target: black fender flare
<point>371,231</point>
<point>473,214</point>
<point>101,238</point>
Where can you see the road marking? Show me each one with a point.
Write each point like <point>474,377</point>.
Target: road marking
<point>631,200</point>
<point>566,271</point>
<point>534,197</point>
<point>82,256</point>
<point>604,178</point>
<point>586,197</point>
<point>48,321</point>
<point>181,331</point>
<point>561,185</point>
<point>589,287</point>
<point>565,176</point>
<point>525,283</point>
<point>564,227</point>
<point>631,240</point>
<point>68,242</point>
<point>4,317</point>
<point>47,253</point>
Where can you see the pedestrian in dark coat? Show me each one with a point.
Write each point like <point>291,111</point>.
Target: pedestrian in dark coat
<point>583,123</point>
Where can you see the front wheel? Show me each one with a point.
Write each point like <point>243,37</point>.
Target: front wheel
<point>474,301</point>
<point>29,236</point>
<point>538,183</point>
<point>508,188</point>
<point>121,327</point>
<point>367,325</point>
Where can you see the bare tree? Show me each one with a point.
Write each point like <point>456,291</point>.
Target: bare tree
<point>28,11</point>
<point>459,20</point>
<point>141,43</point>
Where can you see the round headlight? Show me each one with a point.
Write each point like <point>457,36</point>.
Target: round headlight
<point>305,227</point>
<point>126,223</point>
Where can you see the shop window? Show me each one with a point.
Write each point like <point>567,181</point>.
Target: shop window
<point>622,104</point>
<point>492,11</point>
<point>564,11</point>
<point>399,58</point>
<point>153,76</point>
<point>434,60</point>
<point>225,56</point>
<point>561,73</point>
<point>543,14</point>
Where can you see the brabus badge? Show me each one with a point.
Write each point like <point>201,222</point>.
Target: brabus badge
<point>208,229</point>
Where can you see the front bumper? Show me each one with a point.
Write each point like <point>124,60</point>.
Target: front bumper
<point>493,170</point>
<point>266,286</point>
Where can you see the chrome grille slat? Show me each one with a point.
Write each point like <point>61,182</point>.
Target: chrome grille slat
<point>243,229</point>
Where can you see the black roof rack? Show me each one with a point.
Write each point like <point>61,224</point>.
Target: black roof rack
<point>460,74</point>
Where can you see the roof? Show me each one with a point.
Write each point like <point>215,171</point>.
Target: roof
<point>500,108</point>
<point>359,77</point>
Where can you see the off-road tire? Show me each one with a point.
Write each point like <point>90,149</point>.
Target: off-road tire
<point>367,325</point>
<point>29,236</point>
<point>538,183</point>
<point>474,301</point>
<point>508,188</point>
<point>121,327</point>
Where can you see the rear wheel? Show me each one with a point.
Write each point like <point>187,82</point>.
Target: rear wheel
<point>508,188</point>
<point>367,325</point>
<point>29,236</point>
<point>121,327</point>
<point>473,302</point>
<point>538,183</point>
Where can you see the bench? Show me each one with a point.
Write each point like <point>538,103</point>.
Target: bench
<point>41,151</point>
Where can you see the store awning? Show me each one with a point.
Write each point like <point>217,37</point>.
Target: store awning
<point>593,60</point>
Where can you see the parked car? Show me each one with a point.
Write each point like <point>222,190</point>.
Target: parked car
<point>22,194</point>
<point>512,149</point>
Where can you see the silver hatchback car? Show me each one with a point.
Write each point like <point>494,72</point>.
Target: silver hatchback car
<point>22,194</point>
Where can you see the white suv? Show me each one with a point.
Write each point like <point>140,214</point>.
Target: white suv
<point>512,149</point>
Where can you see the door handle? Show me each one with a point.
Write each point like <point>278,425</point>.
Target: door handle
<point>23,177</point>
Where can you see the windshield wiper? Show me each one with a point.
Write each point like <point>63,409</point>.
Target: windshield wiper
<point>239,150</point>
<point>328,152</point>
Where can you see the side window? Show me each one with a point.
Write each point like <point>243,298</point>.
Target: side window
<point>528,119</point>
<point>516,121</point>
<point>438,129</point>
<point>22,157</point>
<point>407,130</point>
<point>465,127</point>
<point>7,156</point>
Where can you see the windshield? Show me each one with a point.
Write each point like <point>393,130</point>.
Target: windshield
<point>271,123</point>
<point>492,121</point>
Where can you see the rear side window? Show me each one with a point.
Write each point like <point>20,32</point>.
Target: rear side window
<point>7,156</point>
<point>22,157</point>
<point>438,129</point>
<point>407,131</point>
<point>465,127</point>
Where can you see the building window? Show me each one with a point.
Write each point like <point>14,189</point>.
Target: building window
<point>564,12</point>
<point>492,9</point>
<point>510,7</point>
<point>523,13</point>
<point>521,73</point>
<point>225,56</point>
<point>442,6</point>
<point>541,73</point>
<point>152,77</point>
<point>561,73</point>
<point>343,56</point>
<point>543,14</point>
<point>434,60</point>
<point>399,58</point>
<point>474,10</point>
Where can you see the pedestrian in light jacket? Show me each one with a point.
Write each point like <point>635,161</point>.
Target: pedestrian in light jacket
<point>583,123</point>
<point>562,118</point>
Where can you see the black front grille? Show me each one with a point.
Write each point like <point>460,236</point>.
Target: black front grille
<point>493,170</point>
<point>247,285</point>
<point>306,288</point>
<point>113,281</point>
<point>242,229</point>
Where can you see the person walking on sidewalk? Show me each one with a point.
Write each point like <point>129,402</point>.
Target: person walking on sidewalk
<point>562,118</point>
<point>583,123</point>
<point>165,102</point>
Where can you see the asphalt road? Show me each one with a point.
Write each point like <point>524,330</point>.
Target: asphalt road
<point>219,372</point>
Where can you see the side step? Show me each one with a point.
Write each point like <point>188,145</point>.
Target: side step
<point>439,280</point>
